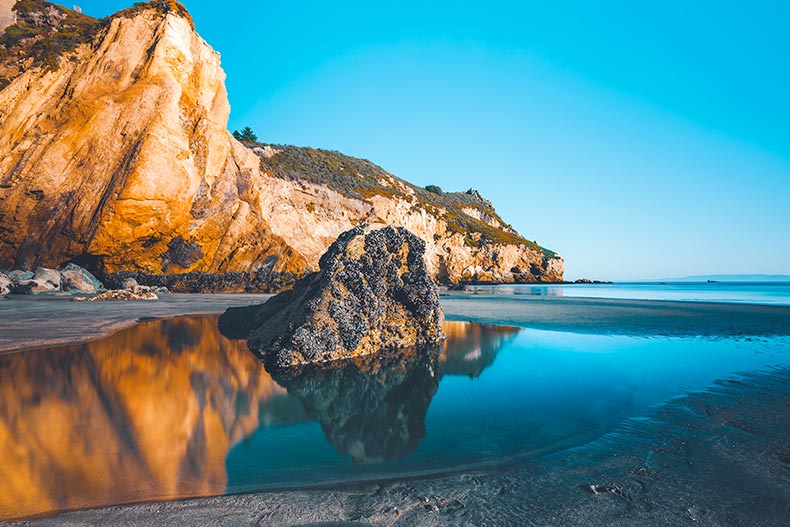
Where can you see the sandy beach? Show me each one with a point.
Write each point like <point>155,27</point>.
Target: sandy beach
<point>28,322</point>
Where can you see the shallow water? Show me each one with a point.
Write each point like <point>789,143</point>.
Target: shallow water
<point>171,408</point>
<point>776,293</point>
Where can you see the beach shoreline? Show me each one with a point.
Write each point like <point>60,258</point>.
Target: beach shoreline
<point>35,322</point>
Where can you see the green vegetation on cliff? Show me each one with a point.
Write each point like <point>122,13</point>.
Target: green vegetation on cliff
<point>162,6</point>
<point>45,32</point>
<point>361,179</point>
<point>42,34</point>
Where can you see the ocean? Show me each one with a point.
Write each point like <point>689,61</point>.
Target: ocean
<point>769,293</point>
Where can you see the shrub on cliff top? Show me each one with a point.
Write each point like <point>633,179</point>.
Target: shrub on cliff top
<point>44,31</point>
<point>162,6</point>
<point>246,134</point>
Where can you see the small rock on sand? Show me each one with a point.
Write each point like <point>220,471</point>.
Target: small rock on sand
<point>135,293</point>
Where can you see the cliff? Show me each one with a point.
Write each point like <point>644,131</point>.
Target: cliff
<point>115,154</point>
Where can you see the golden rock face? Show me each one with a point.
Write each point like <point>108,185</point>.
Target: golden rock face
<point>6,13</point>
<point>122,153</point>
<point>121,156</point>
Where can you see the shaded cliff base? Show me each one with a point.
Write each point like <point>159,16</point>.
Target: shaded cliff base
<point>720,457</point>
<point>200,282</point>
<point>267,281</point>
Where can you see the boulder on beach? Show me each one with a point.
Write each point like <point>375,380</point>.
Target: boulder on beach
<point>41,281</point>
<point>129,283</point>
<point>17,276</point>
<point>47,279</point>
<point>5,284</point>
<point>72,279</point>
<point>79,280</point>
<point>372,292</point>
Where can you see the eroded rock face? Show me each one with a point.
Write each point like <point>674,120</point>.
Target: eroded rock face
<point>6,13</point>
<point>121,154</point>
<point>372,292</point>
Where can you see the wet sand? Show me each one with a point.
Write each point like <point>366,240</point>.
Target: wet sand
<point>27,322</point>
<point>721,457</point>
<point>623,317</point>
<point>30,322</point>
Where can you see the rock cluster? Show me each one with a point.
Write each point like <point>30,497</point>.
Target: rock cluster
<point>129,290</point>
<point>588,281</point>
<point>372,293</point>
<point>137,292</point>
<point>261,280</point>
<point>71,279</point>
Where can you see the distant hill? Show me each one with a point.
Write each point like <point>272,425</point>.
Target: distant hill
<point>729,278</point>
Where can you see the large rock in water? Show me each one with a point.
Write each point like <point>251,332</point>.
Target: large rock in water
<point>372,292</point>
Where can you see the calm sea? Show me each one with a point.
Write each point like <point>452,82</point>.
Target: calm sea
<point>775,293</point>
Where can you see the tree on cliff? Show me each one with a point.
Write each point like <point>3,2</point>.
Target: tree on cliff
<point>246,134</point>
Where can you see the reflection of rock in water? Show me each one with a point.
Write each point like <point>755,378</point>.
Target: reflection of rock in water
<point>148,412</point>
<point>471,348</point>
<point>373,407</point>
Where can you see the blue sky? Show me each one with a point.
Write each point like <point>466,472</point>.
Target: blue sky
<point>639,141</point>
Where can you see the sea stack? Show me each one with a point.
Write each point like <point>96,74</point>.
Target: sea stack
<point>372,292</point>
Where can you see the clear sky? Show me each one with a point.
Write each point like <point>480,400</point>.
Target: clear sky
<point>638,139</point>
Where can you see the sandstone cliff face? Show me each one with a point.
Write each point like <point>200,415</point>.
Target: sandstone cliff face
<point>118,157</point>
<point>121,153</point>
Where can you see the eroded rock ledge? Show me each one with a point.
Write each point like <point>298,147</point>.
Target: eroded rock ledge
<point>372,292</point>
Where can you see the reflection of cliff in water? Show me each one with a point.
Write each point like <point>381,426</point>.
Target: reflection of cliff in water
<point>471,348</point>
<point>152,411</point>
<point>373,408</point>
<point>149,412</point>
